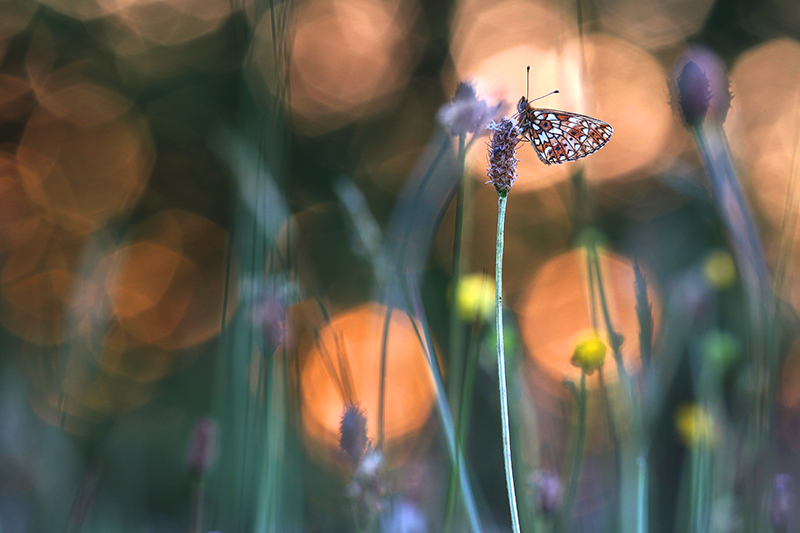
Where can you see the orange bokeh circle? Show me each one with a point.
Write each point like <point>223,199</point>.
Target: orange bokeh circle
<point>342,364</point>
<point>555,313</point>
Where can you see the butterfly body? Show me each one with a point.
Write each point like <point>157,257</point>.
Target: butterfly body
<point>561,136</point>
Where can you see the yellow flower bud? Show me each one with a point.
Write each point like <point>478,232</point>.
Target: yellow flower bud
<point>589,354</point>
<point>695,425</point>
<point>475,297</point>
<point>719,269</point>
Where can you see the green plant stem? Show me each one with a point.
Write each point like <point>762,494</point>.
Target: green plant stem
<point>641,495</point>
<point>578,457</point>
<point>501,361</point>
<point>462,425</point>
<point>455,364</point>
<point>196,510</point>
<point>416,314</point>
<point>701,494</point>
<point>460,263</point>
<point>382,378</point>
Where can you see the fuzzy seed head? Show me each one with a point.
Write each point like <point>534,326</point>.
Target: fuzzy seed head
<point>353,433</point>
<point>701,88</point>
<point>503,160</point>
<point>694,94</point>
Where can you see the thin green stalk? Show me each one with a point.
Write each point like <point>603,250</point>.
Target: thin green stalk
<point>196,510</point>
<point>641,495</point>
<point>382,378</point>
<point>416,314</point>
<point>456,362</point>
<point>462,424</point>
<point>701,494</point>
<point>578,457</point>
<point>501,361</point>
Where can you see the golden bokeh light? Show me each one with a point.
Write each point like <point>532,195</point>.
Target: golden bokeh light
<point>483,30</point>
<point>166,288</point>
<point>764,135</point>
<point>348,58</point>
<point>90,156</point>
<point>348,351</point>
<point>164,22</point>
<point>124,356</point>
<point>148,22</point>
<point>67,391</point>
<point>762,123</point>
<point>555,313</point>
<point>44,296</point>
<point>654,24</point>
<point>623,85</point>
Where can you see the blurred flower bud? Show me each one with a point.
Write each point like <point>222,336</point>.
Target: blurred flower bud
<point>721,347</point>
<point>719,270</point>
<point>270,303</point>
<point>475,297</point>
<point>202,447</point>
<point>694,95</point>
<point>589,354</point>
<point>353,432</point>
<point>503,160</point>
<point>781,503</point>
<point>466,113</point>
<point>404,517</point>
<point>695,425</point>
<point>368,487</point>
<point>701,86</point>
<point>547,491</point>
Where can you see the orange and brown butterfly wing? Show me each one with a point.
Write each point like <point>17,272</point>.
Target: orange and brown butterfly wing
<point>560,136</point>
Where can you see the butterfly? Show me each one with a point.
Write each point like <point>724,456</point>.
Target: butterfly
<point>561,136</point>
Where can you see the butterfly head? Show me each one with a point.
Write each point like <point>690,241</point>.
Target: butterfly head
<point>522,105</point>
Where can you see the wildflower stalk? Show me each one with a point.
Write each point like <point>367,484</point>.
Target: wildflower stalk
<point>577,458</point>
<point>382,378</point>
<point>462,424</point>
<point>701,489</point>
<point>641,494</point>
<point>455,377</point>
<point>416,314</point>
<point>502,173</point>
<point>460,251</point>
<point>502,200</point>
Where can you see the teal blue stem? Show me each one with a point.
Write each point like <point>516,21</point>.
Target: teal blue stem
<point>577,460</point>
<point>382,378</point>
<point>501,361</point>
<point>641,495</point>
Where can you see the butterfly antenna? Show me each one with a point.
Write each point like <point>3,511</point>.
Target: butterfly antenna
<point>528,83</point>
<point>548,94</point>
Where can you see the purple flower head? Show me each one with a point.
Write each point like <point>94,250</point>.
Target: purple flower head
<point>701,87</point>
<point>503,160</point>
